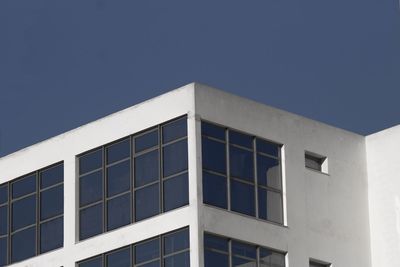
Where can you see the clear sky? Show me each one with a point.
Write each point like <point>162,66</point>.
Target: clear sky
<point>66,63</point>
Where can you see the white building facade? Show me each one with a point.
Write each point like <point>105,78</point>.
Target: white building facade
<point>200,177</point>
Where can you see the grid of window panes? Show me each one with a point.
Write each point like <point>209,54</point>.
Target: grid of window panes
<point>31,214</point>
<point>224,252</point>
<point>168,250</point>
<point>241,173</point>
<point>133,179</point>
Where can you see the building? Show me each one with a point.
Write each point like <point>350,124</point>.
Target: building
<point>201,177</point>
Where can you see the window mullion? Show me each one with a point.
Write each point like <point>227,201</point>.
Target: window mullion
<point>255,175</point>
<point>228,171</point>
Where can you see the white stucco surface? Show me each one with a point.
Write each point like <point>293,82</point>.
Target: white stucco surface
<point>327,216</point>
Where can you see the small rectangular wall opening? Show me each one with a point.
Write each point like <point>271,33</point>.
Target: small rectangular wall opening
<point>316,162</point>
<point>316,263</point>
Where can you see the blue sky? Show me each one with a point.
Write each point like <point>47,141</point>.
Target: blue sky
<point>66,63</point>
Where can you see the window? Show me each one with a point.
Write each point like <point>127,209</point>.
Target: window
<point>133,179</point>
<point>224,252</point>
<point>241,173</point>
<point>318,264</point>
<point>316,162</point>
<point>31,214</point>
<point>168,250</point>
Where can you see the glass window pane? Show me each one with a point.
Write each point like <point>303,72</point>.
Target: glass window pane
<point>3,194</point>
<point>119,211</point>
<point>214,190</point>
<point>24,212</point>
<point>245,250</point>
<point>91,161</point>
<point>146,168</point>
<point>216,242</point>
<point>242,198</point>
<point>3,251</point>
<point>91,221</point>
<point>118,178</point>
<point>240,262</point>
<point>214,155</point>
<point>174,130</point>
<point>267,147</point>
<point>146,141</point>
<point>96,262</point>
<point>176,241</point>
<point>53,175</point>
<point>213,130</point>
<point>270,205</point>
<point>181,260</point>
<point>241,163</point>
<point>152,264</point>
<point>147,202</point>
<point>147,250</point>
<point>51,235</point>
<point>52,202</point>
<point>212,259</point>
<point>24,186</point>
<point>277,260</point>
<point>120,258</point>
<point>268,172</point>
<point>175,158</point>
<point>118,151</point>
<point>240,139</point>
<point>176,192</point>
<point>91,188</point>
<point>3,220</point>
<point>23,244</point>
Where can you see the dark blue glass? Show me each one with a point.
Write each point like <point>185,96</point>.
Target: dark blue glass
<point>213,130</point>
<point>155,263</point>
<point>51,176</point>
<point>51,235</point>
<point>214,155</point>
<point>241,163</point>
<point>270,205</point>
<point>3,251</point>
<point>95,262</point>
<point>118,178</point>
<point>119,211</point>
<point>147,250</point>
<point>23,244</point>
<point>176,241</point>
<point>147,202</point>
<point>268,172</point>
<point>24,212</point>
<point>216,242</point>
<point>146,141</point>
<point>119,258</point>
<point>91,161</point>
<point>242,198</point>
<point>146,168</point>
<point>52,202</point>
<point>240,139</point>
<point>91,221</point>
<point>3,194</point>
<point>174,130</point>
<point>3,220</point>
<point>245,250</point>
<point>267,147</point>
<point>176,192</point>
<point>91,188</point>
<point>215,190</point>
<point>175,158</point>
<point>118,151</point>
<point>240,262</point>
<point>24,186</point>
<point>213,259</point>
<point>180,259</point>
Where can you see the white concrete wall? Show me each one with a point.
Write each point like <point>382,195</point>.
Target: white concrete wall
<point>327,215</point>
<point>383,154</point>
<point>66,146</point>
